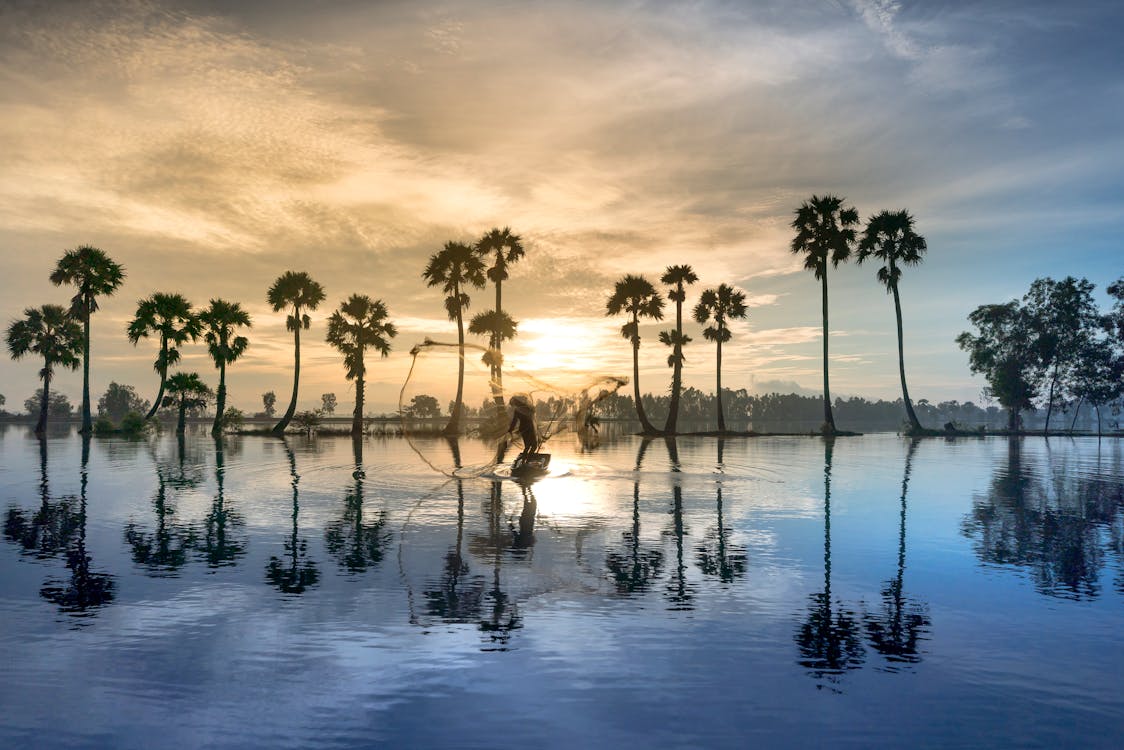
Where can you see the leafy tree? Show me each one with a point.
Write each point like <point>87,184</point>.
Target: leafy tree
<point>359,323</point>
<point>720,305</point>
<point>504,248</point>
<point>679,277</point>
<point>298,292</point>
<point>1097,379</point>
<point>221,320</point>
<point>636,297</point>
<point>455,268</point>
<point>94,274</point>
<point>269,403</point>
<point>58,404</point>
<point>890,238</point>
<point>328,403</point>
<point>825,233</point>
<point>1003,351</point>
<point>424,405</point>
<point>170,316</point>
<point>186,391</point>
<point>53,335</point>
<point>118,400</point>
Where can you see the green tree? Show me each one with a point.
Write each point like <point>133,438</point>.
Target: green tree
<point>825,233</point>
<point>678,277</point>
<point>58,404</point>
<point>297,291</point>
<point>94,274</point>
<point>636,297</point>
<point>454,268</point>
<point>221,321</point>
<point>328,403</point>
<point>504,248</point>
<point>269,403</point>
<point>424,405</point>
<point>118,400</point>
<point>170,316</point>
<point>186,391</point>
<point>359,323</point>
<point>51,333</point>
<point>720,305</point>
<point>1003,350</point>
<point>890,238</point>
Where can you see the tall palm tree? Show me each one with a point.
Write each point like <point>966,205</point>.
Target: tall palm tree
<point>498,327</point>
<point>93,273</point>
<point>360,322</point>
<point>186,391</point>
<point>635,296</point>
<point>220,321</point>
<point>170,316</point>
<point>889,237</point>
<point>297,291</point>
<point>505,248</point>
<point>720,305</point>
<point>52,334</point>
<point>679,277</point>
<point>825,232</point>
<point>454,268</point>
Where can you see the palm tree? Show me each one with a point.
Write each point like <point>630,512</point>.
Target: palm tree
<point>52,334</point>
<point>635,296</point>
<point>679,276</point>
<point>220,321</point>
<point>186,391</point>
<point>297,290</point>
<point>454,268</point>
<point>498,327</point>
<point>824,233</point>
<point>720,305</point>
<point>360,322</point>
<point>93,273</point>
<point>889,236</point>
<point>170,316</point>
<point>507,248</point>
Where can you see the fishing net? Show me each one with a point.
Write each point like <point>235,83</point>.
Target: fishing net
<point>471,441</point>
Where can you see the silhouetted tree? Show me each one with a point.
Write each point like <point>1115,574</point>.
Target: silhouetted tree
<point>53,335</point>
<point>170,316</point>
<point>359,323</point>
<point>720,305</point>
<point>890,238</point>
<point>679,277</point>
<point>118,400</point>
<point>636,297</point>
<point>94,274</point>
<point>1005,352</point>
<point>825,233</point>
<point>220,322</point>
<point>328,404</point>
<point>504,248</point>
<point>269,403</point>
<point>498,327</point>
<point>296,291</point>
<point>186,391</point>
<point>424,405</point>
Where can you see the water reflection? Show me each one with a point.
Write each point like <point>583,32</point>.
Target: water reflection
<point>222,542</point>
<point>48,531</point>
<point>679,593</point>
<point>357,542</point>
<point>295,574</point>
<point>716,555</point>
<point>632,567</point>
<point>163,551</point>
<point>500,611</point>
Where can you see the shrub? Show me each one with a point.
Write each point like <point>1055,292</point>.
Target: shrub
<point>134,424</point>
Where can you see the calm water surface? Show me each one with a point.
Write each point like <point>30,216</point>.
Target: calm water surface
<point>698,593</point>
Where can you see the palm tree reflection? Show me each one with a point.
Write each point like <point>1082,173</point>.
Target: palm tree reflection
<point>896,630</point>
<point>633,568</point>
<point>716,555</point>
<point>501,614</point>
<point>356,543</point>
<point>219,547</point>
<point>679,593</point>
<point>48,531</point>
<point>300,571</point>
<point>164,551</point>
<point>828,639</point>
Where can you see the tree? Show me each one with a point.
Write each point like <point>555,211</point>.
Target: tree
<point>498,327</point>
<point>1004,352</point>
<point>720,305</point>
<point>118,400</point>
<point>221,321</point>
<point>186,391</point>
<point>825,232</point>
<point>93,273</point>
<point>453,269</point>
<point>636,297</point>
<point>171,317</point>
<point>504,248</point>
<point>269,403</point>
<point>679,277</point>
<point>328,403</point>
<point>889,237</point>
<point>58,404</point>
<point>297,291</point>
<point>424,405</point>
<point>53,335</point>
<point>359,323</point>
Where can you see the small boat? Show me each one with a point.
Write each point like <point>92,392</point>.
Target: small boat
<point>530,464</point>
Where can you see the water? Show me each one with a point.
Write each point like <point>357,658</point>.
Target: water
<point>770,591</point>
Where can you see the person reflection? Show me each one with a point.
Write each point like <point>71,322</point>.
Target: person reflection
<point>716,555</point>
<point>357,543</point>
<point>828,639</point>
<point>633,567</point>
<point>896,631</point>
<point>501,614</point>
<point>220,546</point>
<point>300,572</point>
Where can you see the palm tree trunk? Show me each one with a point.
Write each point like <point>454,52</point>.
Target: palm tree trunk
<point>181,423</point>
<point>163,377</point>
<point>914,423</point>
<point>220,401</point>
<point>279,429</point>
<point>672,422</point>
<point>645,425</point>
<point>721,416</point>
<point>44,404</point>
<point>357,418</point>
<point>87,422</point>
<point>828,417</point>
<point>454,426</point>
<point>498,388</point>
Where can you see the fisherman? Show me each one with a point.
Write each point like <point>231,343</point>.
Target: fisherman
<point>523,417</point>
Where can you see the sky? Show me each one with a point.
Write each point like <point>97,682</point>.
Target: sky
<point>210,146</point>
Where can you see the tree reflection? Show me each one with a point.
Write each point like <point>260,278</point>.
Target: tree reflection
<point>357,543</point>
<point>298,572</point>
<point>164,551</point>
<point>500,612</point>
<point>679,593</point>
<point>633,568</point>
<point>716,555</point>
<point>896,630</point>
<point>46,532</point>
<point>219,546</point>
<point>459,597</point>
<point>829,638</point>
